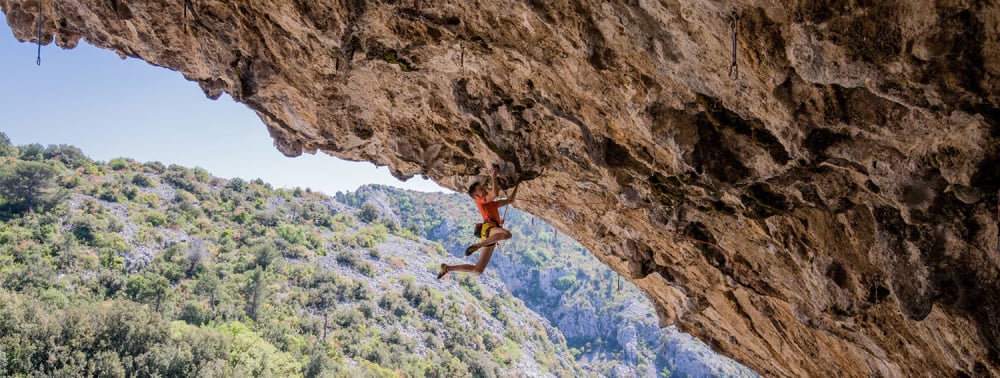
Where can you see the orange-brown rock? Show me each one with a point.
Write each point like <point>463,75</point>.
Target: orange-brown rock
<point>832,211</point>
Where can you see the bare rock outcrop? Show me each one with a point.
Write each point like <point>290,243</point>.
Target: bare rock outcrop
<point>830,212</point>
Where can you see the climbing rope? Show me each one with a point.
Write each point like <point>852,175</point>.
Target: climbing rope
<point>734,69</point>
<point>38,60</point>
<point>998,221</point>
<point>503,218</point>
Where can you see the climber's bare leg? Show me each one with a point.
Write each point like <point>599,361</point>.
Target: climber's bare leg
<point>496,234</point>
<point>484,259</point>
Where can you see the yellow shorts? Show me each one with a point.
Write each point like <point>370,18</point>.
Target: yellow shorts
<point>484,232</point>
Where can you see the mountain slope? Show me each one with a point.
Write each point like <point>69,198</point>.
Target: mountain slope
<point>142,269</point>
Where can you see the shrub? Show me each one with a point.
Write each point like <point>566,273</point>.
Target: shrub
<point>371,236</point>
<point>564,283</point>
<point>92,169</point>
<point>241,216</point>
<point>54,297</point>
<point>156,219</point>
<point>296,251</point>
<point>154,167</point>
<point>184,204</point>
<point>348,258</point>
<point>179,178</point>
<point>343,220</point>
<point>367,269</point>
<point>195,313</point>
<point>201,175</point>
<point>110,192</point>
<point>118,163</point>
<point>70,181</point>
<point>369,213</point>
<point>70,156</point>
<point>32,152</point>
<point>291,233</point>
<point>143,181</point>
<point>149,199</point>
<point>264,255</point>
<point>86,228</point>
<point>267,219</point>
<point>112,261</point>
<point>238,185</point>
<point>35,274</point>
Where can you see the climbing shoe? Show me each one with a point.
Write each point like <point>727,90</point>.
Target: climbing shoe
<point>442,271</point>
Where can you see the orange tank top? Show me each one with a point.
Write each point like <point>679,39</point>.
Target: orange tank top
<point>489,210</point>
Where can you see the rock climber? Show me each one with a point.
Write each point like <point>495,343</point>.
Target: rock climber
<point>490,231</point>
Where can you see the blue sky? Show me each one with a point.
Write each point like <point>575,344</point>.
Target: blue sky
<point>110,107</point>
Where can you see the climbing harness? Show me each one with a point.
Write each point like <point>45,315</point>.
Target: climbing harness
<point>38,60</point>
<point>734,69</point>
<point>503,218</point>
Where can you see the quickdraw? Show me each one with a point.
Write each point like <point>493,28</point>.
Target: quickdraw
<point>38,60</point>
<point>734,69</point>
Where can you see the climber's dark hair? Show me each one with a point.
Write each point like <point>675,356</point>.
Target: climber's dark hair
<point>472,188</point>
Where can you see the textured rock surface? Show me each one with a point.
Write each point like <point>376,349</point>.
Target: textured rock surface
<point>846,181</point>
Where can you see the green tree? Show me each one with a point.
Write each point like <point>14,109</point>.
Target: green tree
<point>320,365</point>
<point>148,287</point>
<point>28,185</point>
<point>255,292</point>
<point>70,156</point>
<point>32,152</point>
<point>369,213</point>
<point>118,163</point>
<point>6,148</point>
<point>143,181</point>
<point>194,313</point>
<point>210,285</point>
<point>264,255</point>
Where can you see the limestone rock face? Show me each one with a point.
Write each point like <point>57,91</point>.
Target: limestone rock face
<point>830,211</point>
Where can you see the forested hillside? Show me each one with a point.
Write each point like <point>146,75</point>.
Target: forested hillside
<point>140,269</point>
<point>123,269</point>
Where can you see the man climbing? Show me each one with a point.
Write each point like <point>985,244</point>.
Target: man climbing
<point>490,231</point>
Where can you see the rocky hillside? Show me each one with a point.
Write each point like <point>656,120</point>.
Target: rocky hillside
<point>305,283</point>
<point>140,269</point>
<point>810,187</point>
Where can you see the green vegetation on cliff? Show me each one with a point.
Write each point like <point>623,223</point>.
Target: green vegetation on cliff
<point>124,268</point>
